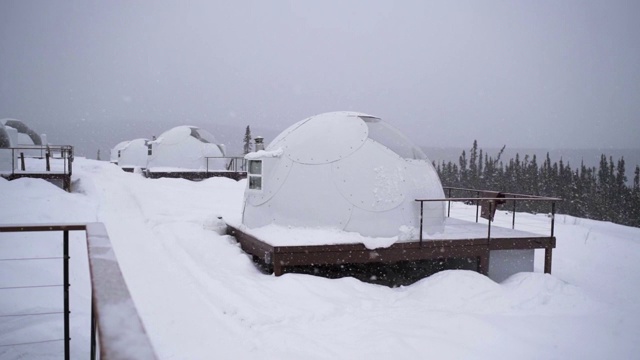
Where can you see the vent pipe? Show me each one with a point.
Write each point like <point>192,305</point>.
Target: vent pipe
<point>259,140</point>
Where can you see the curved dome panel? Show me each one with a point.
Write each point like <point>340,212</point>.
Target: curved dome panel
<point>377,224</point>
<point>275,143</point>
<point>175,135</point>
<point>276,171</point>
<point>301,202</point>
<point>372,178</point>
<point>324,138</point>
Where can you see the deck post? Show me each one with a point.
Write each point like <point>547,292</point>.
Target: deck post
<point>277,266</point>
<point>547,259</point>
<point>48,163</point>
<point>483,263</point>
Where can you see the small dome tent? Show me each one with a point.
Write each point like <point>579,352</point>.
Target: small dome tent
<point>185,147</point>
<point>344,170</point>
<point>134,154</point>
<point>116,152</point>
<point>5,140</point>
<point>20,134</point>
<point>26,136</point>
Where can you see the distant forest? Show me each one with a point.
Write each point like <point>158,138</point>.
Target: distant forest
<point>598,193</point>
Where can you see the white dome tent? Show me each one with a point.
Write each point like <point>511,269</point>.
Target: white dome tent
<point>185,148</point>
<point>21,134</point>
<point>117,151</point>
<point>134,154</point>
<point>343,170</point>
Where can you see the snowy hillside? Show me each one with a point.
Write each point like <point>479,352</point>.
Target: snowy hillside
<point>201,297</point>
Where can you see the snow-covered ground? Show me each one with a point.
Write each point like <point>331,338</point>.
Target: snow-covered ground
<point>201,297</point>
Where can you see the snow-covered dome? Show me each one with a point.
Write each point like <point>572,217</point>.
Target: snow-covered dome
<point>345,170</point>
<point>134,154</point>
<point>117,151</point>
<point>185,147</point>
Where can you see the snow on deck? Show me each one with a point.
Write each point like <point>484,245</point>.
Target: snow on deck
<point>454,229</point>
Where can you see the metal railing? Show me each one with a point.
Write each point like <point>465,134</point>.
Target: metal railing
<point>114,320</point>
<point>233,163</point>
<point>491,202</point>
<point>20,155</point>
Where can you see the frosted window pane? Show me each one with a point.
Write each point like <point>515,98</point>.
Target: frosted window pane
<point>255,167</point>
<point>255,182</point>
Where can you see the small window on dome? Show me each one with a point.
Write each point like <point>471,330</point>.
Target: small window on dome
<point>255,174</point>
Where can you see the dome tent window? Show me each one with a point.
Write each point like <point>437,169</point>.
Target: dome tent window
<point>255,174</point>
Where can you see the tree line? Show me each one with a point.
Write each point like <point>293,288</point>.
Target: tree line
<point>599,193</point>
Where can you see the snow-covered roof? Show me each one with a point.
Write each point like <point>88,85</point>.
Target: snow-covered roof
<point>134,153</point>
<point>184,132</point>
<point>118,148</point>
<point>347,170</point>
<point>186,147</point>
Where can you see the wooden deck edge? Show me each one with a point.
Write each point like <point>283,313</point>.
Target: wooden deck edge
<point>195,175</point>
<point>480,249</point>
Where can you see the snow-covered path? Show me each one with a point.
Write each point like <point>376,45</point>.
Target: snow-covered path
<point>200,297</point>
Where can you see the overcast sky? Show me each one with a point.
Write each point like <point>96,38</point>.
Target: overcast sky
<point>552,74</point>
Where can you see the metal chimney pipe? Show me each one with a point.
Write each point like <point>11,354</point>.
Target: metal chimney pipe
<point>259,140</point>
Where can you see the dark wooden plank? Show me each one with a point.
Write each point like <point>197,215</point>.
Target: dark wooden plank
<point>401,245</point>
<point>251,245</point>
<point>522,243</point>
<point>41,227</point>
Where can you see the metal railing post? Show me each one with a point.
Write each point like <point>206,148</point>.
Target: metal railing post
<point>553,216</point>
<point>477,204</point>
<point>490,218</point>
<point>65,261</point>
<point>22,167</point>
<point>93,328</point>
<point>421,215</point>
<point>513,221</point>
<point>449,204</point>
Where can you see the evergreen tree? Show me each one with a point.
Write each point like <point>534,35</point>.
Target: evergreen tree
<point>247,141</point>
<point>599,193</point>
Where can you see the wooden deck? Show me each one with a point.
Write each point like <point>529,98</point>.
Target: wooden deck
<point>279,258</point>
<point>195,175</point>
<point>53,163</point>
